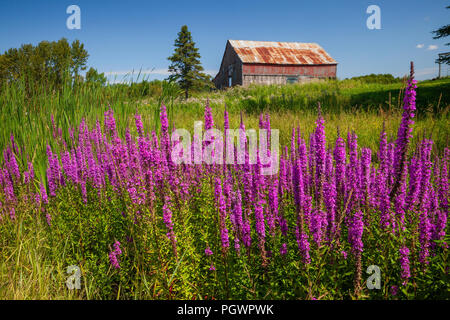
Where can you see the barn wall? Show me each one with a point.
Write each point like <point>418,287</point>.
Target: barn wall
<point>274,79</point>
<point>230,58</point>
<point>327,71</point>
<point>278,74</point>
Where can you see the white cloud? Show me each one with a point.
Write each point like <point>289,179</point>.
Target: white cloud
<point>420,46</point>
<point>432,47</point>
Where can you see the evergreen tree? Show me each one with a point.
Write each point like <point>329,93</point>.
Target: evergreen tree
<point>443,32</point>
<point>186,68</point>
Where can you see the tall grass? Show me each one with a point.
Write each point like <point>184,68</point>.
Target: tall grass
<point>31,269</point>
<point>347,104</point>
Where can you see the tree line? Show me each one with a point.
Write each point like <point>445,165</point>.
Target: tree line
<point>49,65</point>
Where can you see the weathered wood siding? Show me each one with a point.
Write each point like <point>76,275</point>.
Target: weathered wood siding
<point>230,59</point>
<point>279,74</point>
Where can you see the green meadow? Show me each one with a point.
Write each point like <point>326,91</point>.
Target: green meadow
<point>350,105</point>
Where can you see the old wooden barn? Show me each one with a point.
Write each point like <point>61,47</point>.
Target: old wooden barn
<point>267,62</point>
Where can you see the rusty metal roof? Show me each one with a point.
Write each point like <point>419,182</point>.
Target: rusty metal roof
<point>280,52</point>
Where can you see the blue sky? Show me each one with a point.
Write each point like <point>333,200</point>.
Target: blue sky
<point>124,35</point>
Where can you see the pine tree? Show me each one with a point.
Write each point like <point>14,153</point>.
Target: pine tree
<point>186,68</point>
<point>442,33</point>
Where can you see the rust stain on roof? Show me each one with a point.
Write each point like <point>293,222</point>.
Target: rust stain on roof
<point>280,52</point>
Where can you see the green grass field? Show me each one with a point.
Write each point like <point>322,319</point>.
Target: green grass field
<point>347,104</point>
<point>30,269</point>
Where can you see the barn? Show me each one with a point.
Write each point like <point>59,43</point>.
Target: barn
<point>267,62</point>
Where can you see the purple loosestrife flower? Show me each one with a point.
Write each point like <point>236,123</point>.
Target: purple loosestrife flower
<point>165,142</point>
<point>303,202</point>
<point>116,247</point>
<point>382,150</point>
<point>260,227</point>
<point>37,199</point>
<point>303,157</point>
<point>238,222</point>
<point>283,225</point>
<point>355,233</point>
<point>139,125</point>
<point>222,215</point>
<point>384,201</point>
<point>227,187</point>
<point>282,178</point>
<point>273,204</point>
<point>425,158</point>
<point>13,144</point>
<point>208,252</point>
<point>283,249</point>
<point>11,164</point>
<point>299,193</point>
<point>309,178</point>
<point>440,201</point>
<point>209,121</point>
<point>83,191</point>
<point>167,216</point>
<point>404,132</point>
<point>424,232</point>
<point>8,186</point>
<point>30,173</point>
<point>390,164</point>
<point>400,206</point>
<point>51,177</point>
<point>353,172</point>
<point>404,263</point>
<point>443,182</point>
<point>259,184</point>
<point>440,224</point>
<point>394,290</point>
<point>67,165</point>
<point>110,123</point>
<point>246,233</point>
<point>330,199</point>
<point>373,201</point>
<point>261,121</point>
<point>12,213</point>
<point>43,193</point>
<point>318,223</point>
<point>320,154</point>
<point>49,219</point>
<point>113,260</point>
<point>226,126</point>
<point>303,245</point>
<point>366,158</point>
<point>340,155</point>
<point>415,177</point>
